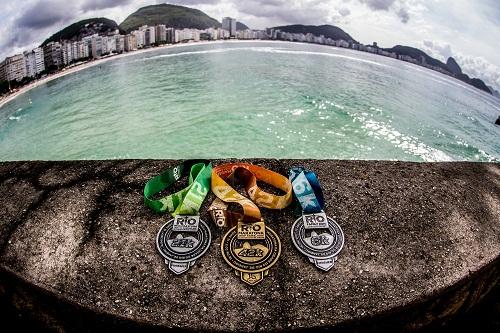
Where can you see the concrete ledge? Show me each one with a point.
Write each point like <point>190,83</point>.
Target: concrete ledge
<point>77,250</point>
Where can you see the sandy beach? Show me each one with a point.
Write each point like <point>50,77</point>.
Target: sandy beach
<point>79,67</point>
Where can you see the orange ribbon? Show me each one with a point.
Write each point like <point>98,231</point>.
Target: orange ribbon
<point>248,174</point>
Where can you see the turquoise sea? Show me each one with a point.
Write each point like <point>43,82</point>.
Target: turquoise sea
<point>252,99</point>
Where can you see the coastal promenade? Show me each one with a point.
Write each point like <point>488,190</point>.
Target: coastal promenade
<point>77,250</point>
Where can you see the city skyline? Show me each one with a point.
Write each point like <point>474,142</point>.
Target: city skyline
<point>476,57</point>
<point>56,55</point>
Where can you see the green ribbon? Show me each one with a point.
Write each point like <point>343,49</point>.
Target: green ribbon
<point>188,200</point>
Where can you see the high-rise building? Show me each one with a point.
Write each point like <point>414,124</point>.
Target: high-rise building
<point>29,59</point>
<point>150,34</point>
<point>3,74</point>
<point>104,45</point>
<point>212,33</point>
<point>130,43</point>
<point>229,24</point>
<point>87,42</point>
<point>170,33</point>
<point>161,34</point>
<point>67,52</point>
<point>195,33</point>
<point>140,38</point>
<point>178,36</point>
<point>82,49</point>
<point>96,46</point>
<point>39,60</point>
<point>35,63</point>
<point>223,34</point>
<point>247,34</point>
<point>14,68</point>
<point>186,35</point>
<point>74,50</point>
<point>52,53</point>
<point>111,44</point>
<point>119,43</point>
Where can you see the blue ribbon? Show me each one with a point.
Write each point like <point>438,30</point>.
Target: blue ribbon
<point>307,190</point>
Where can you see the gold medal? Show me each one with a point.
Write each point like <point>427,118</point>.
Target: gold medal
<point>251,258</point>
<point>249,247</point>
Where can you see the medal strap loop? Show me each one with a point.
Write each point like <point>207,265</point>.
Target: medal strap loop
<point>186,201</point>
<point>307,190</point>
<point>248,174</point>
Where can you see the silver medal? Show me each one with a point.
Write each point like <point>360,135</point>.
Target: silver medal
<point>182,240</point>
<point>318,237</point>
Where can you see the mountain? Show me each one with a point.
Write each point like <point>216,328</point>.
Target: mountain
<point>453,66</point>
<point>329,31</point>
<point>454,69</point>
<point>84,28</point>
<point>479,84</point>
<point>178,17</point>
<point>457,72</point>
<point>241,26</point>
<point>494,92</point>
<point>417,55</point>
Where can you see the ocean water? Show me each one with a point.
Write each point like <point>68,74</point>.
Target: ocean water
<point>252,99</point>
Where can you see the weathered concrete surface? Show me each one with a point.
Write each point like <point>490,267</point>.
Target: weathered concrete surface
<point>77,250</point>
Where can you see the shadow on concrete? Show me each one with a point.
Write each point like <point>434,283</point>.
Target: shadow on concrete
<point>423,244</point>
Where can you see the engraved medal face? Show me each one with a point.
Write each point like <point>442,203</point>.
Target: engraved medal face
<point>251,258</point>
<point>320,245</point>
<point>183,240</point>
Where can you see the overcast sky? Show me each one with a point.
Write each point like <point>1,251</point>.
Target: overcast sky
<point>467,29</point>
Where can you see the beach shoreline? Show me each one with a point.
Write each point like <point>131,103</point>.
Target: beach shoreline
<point>85,65</point>
<point>92,63</point>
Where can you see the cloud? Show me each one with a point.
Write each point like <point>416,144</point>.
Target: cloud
<point>45,14</point>
<point>403,14</point>
<point>191,2</point>
<point>378,4</point>
<point>399,7</point>
<point>344,11</point>
<point>89,5</point>
<point>481,68</point>
<point>286,12</point>
<point>473,66</point>
<point>439,50</point>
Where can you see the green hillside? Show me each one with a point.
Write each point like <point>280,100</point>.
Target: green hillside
<point>329,31</point>
<point>417,55</point>
<point>178,17</point>
<point>82,29</point>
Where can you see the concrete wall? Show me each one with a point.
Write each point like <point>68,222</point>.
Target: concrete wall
<point>77,250</point>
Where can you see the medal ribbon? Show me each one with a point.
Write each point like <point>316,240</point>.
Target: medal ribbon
<point>249,174</point>
<point>186,201</point>
<point>307,190</point>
